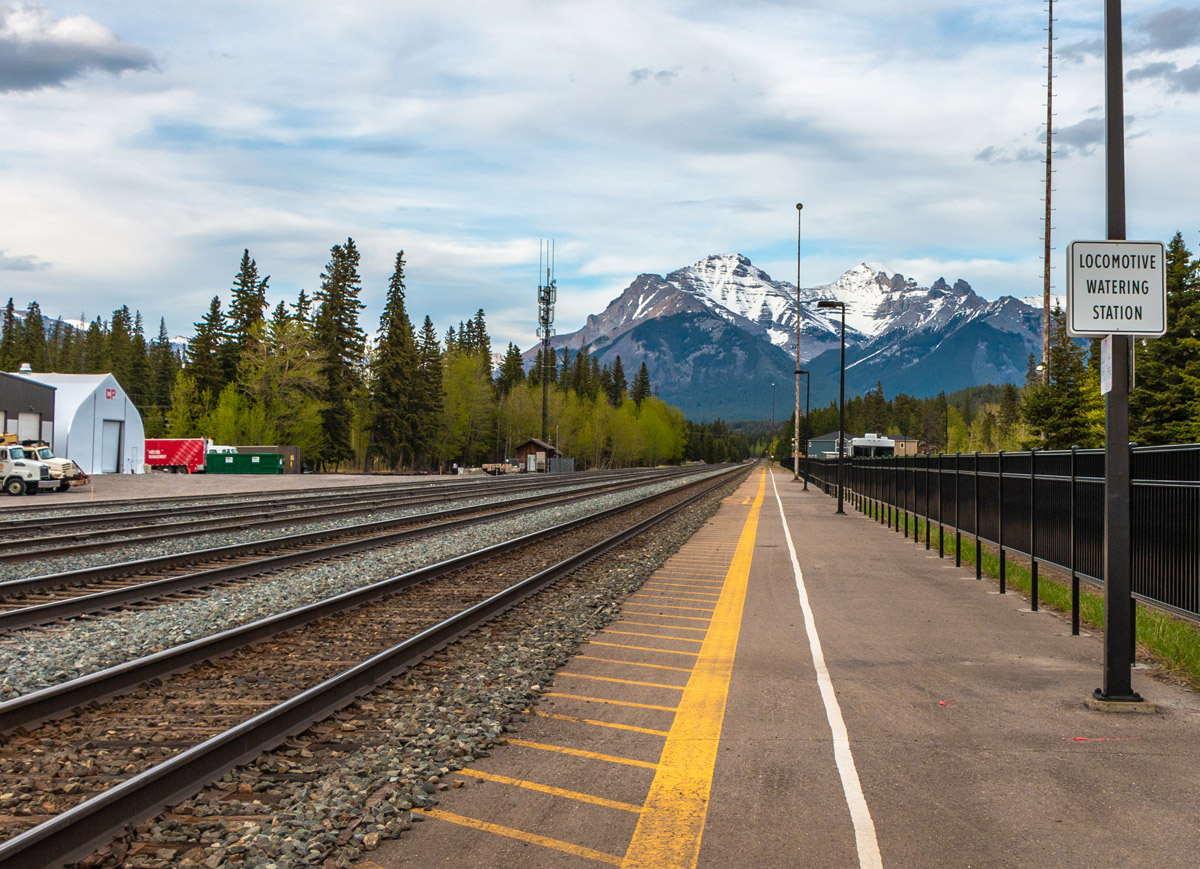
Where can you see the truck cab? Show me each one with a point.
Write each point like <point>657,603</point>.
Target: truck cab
<point>20,473</point>
<point>65,471</point>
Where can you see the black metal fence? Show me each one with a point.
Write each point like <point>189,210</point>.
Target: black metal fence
<point>1047,505</point>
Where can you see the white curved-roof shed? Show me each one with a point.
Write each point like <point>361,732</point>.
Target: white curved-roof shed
<point>95,423</point>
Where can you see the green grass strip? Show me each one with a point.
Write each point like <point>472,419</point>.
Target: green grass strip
<point>1173,643</point>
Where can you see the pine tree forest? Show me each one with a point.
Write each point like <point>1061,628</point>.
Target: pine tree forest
<point>305,374</point>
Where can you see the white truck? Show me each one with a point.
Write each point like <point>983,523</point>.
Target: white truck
<point>21,473</point>
<point>65,471</point>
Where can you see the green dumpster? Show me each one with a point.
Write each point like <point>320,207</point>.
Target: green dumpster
<point>244,463</point>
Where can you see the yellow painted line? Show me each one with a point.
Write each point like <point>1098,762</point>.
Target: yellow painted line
<point>553,791</point>
<point>667,606</point>
<point>654,583</point>
<point>640,648</point>
<point>652,636</point>
<point>622,681</point>
<point>522,836</point>
<point>633,663</point>
<point>609,702</point>
<point>670,828</point>
<point>680,598</point>
<point>668,615</point>
<point>667,627</point>
<point>693,596</point>
<point>615,726</point>
<point>579,752</point>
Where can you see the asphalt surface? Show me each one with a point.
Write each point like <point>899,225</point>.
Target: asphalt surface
<point>967,731</point>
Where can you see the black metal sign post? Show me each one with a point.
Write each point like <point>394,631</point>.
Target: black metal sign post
<point>1118,644</point>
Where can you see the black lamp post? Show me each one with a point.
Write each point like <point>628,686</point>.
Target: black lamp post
<point>807,383</point>
<point>772,418</point>
<point>796,432</point>
<point>829,303</point>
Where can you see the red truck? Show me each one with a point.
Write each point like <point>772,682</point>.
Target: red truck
<point>177,455</point>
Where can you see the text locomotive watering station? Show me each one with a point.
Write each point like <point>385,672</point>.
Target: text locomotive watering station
<point>1115,268</point>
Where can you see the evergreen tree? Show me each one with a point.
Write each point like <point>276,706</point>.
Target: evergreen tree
<point>137,375</point>
<point>512,370</point>
<point>248,300</point>
<point>1165,403</point>
<point>303,307</point>
<point>164,367</point>
<point>204,367</point>
<point>33,343</point>
<point>393,377</point>
<point>94,361</point>
<point>617,391</point>
<point>640,390</point>
<point>10,339</point>
<point>340,343</point>
<point>427,403</point>
<point>118,344</point>
<point>1061,409</point>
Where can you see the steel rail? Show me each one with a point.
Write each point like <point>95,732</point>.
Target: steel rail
<point>102,572</point>
<point>215,497</point>
<point>172,530</point>
<point>54,544</point>
<point>55,700</point>
<point>80,830</point>
<point>262,502</point>
<point>44,613</point>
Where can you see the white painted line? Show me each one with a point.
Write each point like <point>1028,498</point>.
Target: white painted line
<point>860,815</point>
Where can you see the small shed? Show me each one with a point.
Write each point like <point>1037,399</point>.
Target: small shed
<point>906,446</point>
<point>97,426</point>
<point>26,408</point>
<point>539,450</point>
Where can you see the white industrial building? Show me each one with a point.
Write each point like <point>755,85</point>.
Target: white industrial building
<point>95,423</point>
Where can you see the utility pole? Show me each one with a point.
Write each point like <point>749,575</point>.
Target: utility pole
<point>796,433</point>
<point>1049,156</point>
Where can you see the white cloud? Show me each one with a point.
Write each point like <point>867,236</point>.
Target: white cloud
<point>464,135</point>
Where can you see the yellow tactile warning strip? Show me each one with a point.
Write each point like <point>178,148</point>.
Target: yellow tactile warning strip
<point>692,608</point>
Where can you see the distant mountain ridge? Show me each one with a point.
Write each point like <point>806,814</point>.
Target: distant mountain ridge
<point>717,334</point>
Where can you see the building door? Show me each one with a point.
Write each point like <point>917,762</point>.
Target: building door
<point>110,447</point>
<point>29,426</point>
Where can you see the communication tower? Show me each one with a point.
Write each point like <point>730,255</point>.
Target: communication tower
<point>547,294</point>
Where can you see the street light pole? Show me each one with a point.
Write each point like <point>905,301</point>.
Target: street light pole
<point>807,384</point>
<point>829,303</point>
<point>772,418</point>
<point>796,432</point>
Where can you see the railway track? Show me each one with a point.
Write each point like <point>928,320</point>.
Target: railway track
<point>72,784</point>
<point>45,599</point>
<point>72,535</point>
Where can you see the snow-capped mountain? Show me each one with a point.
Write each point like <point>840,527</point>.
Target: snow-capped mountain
<point>717,334</point>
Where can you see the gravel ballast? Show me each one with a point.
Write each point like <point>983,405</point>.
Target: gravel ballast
<point>34,659</point>
<point>404,738</point>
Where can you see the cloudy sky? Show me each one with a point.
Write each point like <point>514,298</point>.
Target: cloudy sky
<point>145,144</point>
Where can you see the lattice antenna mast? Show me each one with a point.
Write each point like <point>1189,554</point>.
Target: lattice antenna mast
<point>1049,156</point>
<point>547,294</point>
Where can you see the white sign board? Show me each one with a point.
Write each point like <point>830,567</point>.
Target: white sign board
<point>1106,365</point>
<point>1116,288</point>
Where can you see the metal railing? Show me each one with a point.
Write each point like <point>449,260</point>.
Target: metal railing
<point>1047,505</point>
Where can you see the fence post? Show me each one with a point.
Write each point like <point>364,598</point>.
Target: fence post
<point>1074,573</point>
<point>904,480</point>
<point>978,542</point>
<point>941,531</point>
<point>1033,565</point>
<point>957,524</point>
<point>1000,518</point>
<point>928,513</point>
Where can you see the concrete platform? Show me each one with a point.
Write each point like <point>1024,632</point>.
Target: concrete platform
<point>867,704</point>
